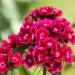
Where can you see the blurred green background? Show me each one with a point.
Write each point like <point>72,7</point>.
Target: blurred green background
<point>12,14</point>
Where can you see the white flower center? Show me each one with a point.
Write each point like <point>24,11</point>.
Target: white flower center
<point>57,54</point>
<point>42,35</point>
<point>55,29</point>
<point>2,64</point>
<point>15,59</point>
<point>69,36</point>
<point>49,44</point>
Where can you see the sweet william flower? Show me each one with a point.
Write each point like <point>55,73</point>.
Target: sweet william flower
<point>56,26</point>
<point>39,54</point>
<point>57,54</point>
<point>15,60</point>
<point>48,31</point>
<point>41,34</point>
<point>46,23</point>
<point>45,12</point>
<point>3,67</point>
<point>56,68</point>
<point>67,53</point>
<point>73,40</point>
<point>5,54</point>
<point>53,66</point>
<point>13,40</point>
<point>27,24</point>
<point>68,32</point>
<point>26,38</point>
<point>28,60</point>
<point>63,22</point>
<point>3,57</point>
<point>25,33</point>
<point>50,42</point>
<point>44,33</point>
<point>6,50</point>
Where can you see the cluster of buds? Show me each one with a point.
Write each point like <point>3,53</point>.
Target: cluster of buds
<point>45,34</point>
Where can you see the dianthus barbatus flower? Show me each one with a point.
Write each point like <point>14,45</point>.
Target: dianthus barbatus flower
<point>67,53</point>
<point>39,54</point>
<point>45,12</point>
<point>3,67</point>
<point>5,54</point>
<point>15,59</point>
<point>28,60</point>
<point>45,34</point>
<point>51,33</point>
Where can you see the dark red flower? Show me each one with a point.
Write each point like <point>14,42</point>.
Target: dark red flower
<point>57,54</point>
<point>50,42</point>
<point>45,12</point>
<point>40,55</point>
<point>53,66</point>
<point>68,32</point>
<point>46,23</point>
<point>44,35</point>
<point>67,53</point>
<point>28,60</point>
<point>41,34</point>
<point>3,67</point>
<point>6,50</point>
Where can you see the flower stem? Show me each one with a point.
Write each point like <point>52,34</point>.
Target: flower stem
<point>12,72</point>
<point>5,73</point>
<point>58,73</point>
<point>44,71</point>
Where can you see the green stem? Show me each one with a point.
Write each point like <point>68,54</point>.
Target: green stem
<point>4,74</point>
<point>58,73</point>
<point>44,71</point>
<point>12,72</point>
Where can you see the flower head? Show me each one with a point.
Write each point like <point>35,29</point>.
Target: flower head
<point>45,34</point>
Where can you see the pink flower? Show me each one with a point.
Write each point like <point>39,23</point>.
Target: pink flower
<point>67,53</point>
<point>25,34</point>
<point>56,26</point>
<point>46,23</point>
<point>41,34</point>
<point>6,50</point>
<point>13,40</point>
<point>63,22</point>
<point>3,67</point>
<point>50,42</point>
<point>28,61</point>
<point>3,57</point>
<point>25,38</point>
<point>57,54</point>
<point>45,12</point>
<point>27,24</point>
<point>39,55</point>
<point>73,40</point>
<point>16,59</point>
<point>53,66</point>
<point>68,32</point>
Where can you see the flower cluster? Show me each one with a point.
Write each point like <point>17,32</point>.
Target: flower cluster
<point>45,34</point>
<point>8,59</point>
